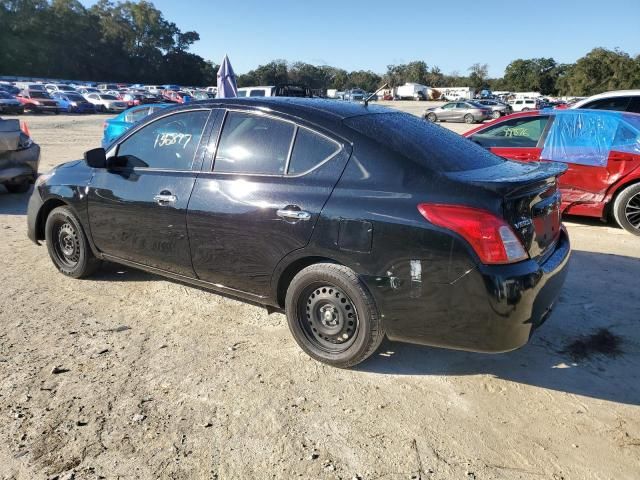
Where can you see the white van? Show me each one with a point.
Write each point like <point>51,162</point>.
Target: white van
<point>524,104</point>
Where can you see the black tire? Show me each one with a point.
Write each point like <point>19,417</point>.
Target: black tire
<point>626,209</point>
<point>354,329</point>
<point>525,109</point>
<point>496,114</point>
<point>468,119</point>
<point>18,187</point>
<point>57,112</point>
<point>67,244</point>
<point>431,117</point>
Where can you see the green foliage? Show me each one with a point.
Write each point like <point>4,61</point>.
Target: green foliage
<point>111,41</point>
<point>598,71</point>
<point>132,42</point>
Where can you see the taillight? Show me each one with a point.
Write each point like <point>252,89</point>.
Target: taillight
<point>490,237</point>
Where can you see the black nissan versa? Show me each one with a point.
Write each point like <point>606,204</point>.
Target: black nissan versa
<point>357,221</point>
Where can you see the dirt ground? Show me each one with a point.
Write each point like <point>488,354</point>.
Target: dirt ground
<point>128,375</point>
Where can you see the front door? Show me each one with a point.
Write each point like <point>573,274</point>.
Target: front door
<point>269,182</point>
<point>137,207</point>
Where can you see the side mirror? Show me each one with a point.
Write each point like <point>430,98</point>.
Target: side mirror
<point>96,158</point>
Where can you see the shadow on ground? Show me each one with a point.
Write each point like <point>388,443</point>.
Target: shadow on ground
<point>13,203</point>
<point>589,346</point>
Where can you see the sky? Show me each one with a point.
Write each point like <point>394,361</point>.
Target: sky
<point>359,35</point>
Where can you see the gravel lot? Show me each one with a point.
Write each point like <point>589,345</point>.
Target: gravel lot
<point>130,375</point>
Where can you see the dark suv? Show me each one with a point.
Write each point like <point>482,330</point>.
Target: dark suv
<point>357,221</point>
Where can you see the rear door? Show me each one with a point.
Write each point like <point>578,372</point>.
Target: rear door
<point>261,200</point>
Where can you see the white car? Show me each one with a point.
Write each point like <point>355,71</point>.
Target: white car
<point>84,91</point>
<point>106,103</point>
<point>620,100</point>
<point>59,87</point>
<point>524,104</point>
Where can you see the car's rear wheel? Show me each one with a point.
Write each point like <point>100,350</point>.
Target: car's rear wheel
<point>68,245</point>
<point>525,109</point>
<point>432,117</point>
<point>626,209</point>
<point>468,118</point>
<point>21,187</point>
<point>332,315</point>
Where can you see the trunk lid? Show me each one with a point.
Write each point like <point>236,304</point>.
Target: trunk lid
<point>530,199</point>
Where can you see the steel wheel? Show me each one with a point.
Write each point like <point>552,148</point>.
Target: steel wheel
<point>632,211</point>
<point>328,317</point>
<point>66,245</point>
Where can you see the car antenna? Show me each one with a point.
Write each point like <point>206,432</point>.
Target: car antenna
<point>366,100</point>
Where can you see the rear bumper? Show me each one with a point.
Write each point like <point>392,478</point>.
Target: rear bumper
<point>489,309</point>
<point>20,165</point>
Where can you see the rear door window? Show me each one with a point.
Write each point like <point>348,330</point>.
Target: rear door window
<point>522,132</point>
<point>634,105</point>
<point>257,93</point>
<point>426,144</point>
<point>310,149</point>
<point>253,144</point>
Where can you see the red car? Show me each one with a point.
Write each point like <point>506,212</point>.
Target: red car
<point>37,101</point>
<point>601,149</point>
<point>176,97</point>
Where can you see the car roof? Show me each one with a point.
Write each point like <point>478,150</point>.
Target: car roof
<point>299,106</point>
<point>611,94</point>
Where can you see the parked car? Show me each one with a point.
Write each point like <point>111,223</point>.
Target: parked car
<point>464,249</point>
<point>114,127</point>
<point>84,91</point>
<point>355,95</point>
<point>103,87</point>
<point>285,90</point>
<point>601,148</point>
<point>176,97</point>
<point>524,104</point>
<point>59,87</point>
<point>19,156</point>
<point>73,102</point>
<point>10,104</point>
<point>38,101</point>
<point>498,109</point>
<point>466,112</point>
<point>10,89</point>
<point>619,100</point>
<point>106,103</point>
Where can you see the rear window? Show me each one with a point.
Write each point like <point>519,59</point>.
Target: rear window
<point>423,142</point>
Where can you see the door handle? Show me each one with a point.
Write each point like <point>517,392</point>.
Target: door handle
<point>290,214</point>
<point>165,199</point>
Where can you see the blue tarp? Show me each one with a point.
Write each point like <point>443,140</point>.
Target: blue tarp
<point>586,137</point>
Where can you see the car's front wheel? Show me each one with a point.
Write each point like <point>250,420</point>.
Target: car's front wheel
<point>496,114</point>
<point>432,117</point>
<point>332,315</point>
<point>626,209</point>
<point>68,245</point>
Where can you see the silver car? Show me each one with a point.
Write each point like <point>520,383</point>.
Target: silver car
<point>466,112</point>
<point>106,103</point>
<point>498,109</point>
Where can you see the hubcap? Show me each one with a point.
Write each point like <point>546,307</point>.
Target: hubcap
<point>67,244</point>
<point>632,211</point>
<point>328,317</point>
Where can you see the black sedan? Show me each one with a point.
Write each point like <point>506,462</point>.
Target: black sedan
<point>357,221</point>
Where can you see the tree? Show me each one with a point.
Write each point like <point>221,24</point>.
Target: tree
<point>536,74</point>
<point>601,70</point>
<point>479,75</point>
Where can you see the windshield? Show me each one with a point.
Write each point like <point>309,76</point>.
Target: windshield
<point>423,142</point>
<point>66,88</point>
<point>74,96</point>
<point>39,95</point>
<point>108,97</point>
